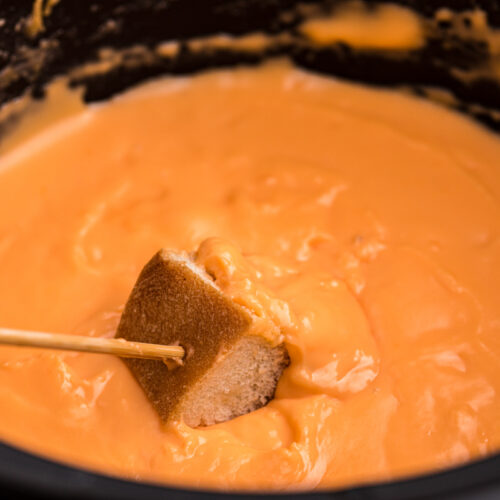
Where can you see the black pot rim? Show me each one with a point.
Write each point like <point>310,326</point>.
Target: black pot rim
<point>35,476</point>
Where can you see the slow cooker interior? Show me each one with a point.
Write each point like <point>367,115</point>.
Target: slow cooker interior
<point>455,57</point>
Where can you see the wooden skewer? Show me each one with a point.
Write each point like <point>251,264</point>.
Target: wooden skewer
<point>119,347</point>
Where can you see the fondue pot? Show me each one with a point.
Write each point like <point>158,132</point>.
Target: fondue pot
<point>152,37</point>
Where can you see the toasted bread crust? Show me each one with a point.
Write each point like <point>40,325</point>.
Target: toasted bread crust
<point>173,303</point>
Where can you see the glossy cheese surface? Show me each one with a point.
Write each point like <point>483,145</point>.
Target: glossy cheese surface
<point>375,216</point>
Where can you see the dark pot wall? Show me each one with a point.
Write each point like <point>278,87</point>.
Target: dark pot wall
<point>26,476</point>
<point>75,30</point>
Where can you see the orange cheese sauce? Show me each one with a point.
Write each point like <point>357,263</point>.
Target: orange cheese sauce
<point>375,216</point>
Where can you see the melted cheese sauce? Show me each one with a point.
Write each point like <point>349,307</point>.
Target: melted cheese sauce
<point>374,215</point>
<point>385,26</point>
